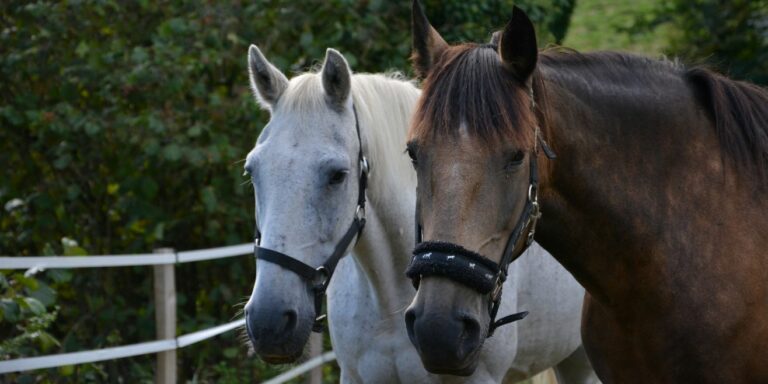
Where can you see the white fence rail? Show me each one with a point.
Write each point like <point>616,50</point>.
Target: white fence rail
<point>101,261</point>
<point>92,356</point>
<point>163,305</point>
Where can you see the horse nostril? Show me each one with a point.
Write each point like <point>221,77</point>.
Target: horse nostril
<point>471,327</point>
<point>410,319</point>
<point>289,319</point>
<point>470,334</point>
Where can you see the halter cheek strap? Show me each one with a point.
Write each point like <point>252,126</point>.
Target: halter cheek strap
<point>472,269</point>
<point>319,277</point>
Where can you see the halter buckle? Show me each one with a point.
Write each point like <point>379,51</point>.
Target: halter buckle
<point>497,289</point>
<point>322,273</point>
<point>364,167</point>
<point>360,213</point>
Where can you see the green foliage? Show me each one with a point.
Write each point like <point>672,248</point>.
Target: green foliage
<point>122,129</point>
<point>731,36</point>
<point>611,25</point>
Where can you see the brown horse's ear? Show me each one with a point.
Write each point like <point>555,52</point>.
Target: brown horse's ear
<point>428,45</point>
<point>517,46</point>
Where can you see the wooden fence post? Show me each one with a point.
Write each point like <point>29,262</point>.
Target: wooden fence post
<point>315,376</point>
<point>165,318</point>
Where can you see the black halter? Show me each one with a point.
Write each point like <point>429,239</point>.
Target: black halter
<point>320,277</point>
<point>433,258</point>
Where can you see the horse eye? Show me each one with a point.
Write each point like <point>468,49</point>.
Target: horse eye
<point>338,177</point>
<point>515,160</point>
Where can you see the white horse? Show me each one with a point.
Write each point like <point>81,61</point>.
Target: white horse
<point>305,174</point>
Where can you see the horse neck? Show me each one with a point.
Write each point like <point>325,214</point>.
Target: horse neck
<point>624,202</point>
<point>384,249</point>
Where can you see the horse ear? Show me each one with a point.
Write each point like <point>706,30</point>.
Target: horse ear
<point>267,82</point>
<point>517,45</point>
<point>428,45</point>
<point>337,77</point>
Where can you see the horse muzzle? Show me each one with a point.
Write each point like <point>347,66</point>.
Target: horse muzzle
<point>448,342</point>
<point>277,330</point>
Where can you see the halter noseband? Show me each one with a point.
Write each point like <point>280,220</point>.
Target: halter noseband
<point>320,277</point>
<point>434,258</point>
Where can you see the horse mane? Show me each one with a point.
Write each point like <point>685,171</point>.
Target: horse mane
<point>469,84</point>
<point>739,110</point>
<point>468,87</point>
<point>384,104</point>
<point>740,113</point>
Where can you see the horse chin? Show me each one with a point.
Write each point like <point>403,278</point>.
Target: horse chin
<point>442,369</point>
<point>280,359</point>
<point>289,351</point>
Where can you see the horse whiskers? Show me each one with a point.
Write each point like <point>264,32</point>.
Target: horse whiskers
<point>242,337</point>
<point>399,311</point>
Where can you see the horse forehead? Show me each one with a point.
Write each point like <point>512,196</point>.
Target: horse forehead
<point>315,128</point>
<point>465,153</point>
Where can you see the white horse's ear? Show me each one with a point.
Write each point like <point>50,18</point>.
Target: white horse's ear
<point>337,77</point>
<point>267,82</point>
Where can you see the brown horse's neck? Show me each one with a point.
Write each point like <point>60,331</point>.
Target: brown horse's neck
<point>641,203</point>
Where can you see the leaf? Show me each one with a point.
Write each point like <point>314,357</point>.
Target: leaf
<point>46,341</point>
<point>172,152</point>
<point>113,188</point>
<point>67,370</point>
<point>60,276</point>
<point>82,49</point>
<point>208,195</point>
<point>9,310</point>
<point>28,282</point>
<point>71,248</point>
<point>44,293</point>
<point>231,352</point>
<point>34,305</point>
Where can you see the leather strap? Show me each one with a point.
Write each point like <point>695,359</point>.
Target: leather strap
<point>527,221</point>
<point>320,277</point>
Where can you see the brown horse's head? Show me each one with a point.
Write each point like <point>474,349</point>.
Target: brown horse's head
<point>471,141</point>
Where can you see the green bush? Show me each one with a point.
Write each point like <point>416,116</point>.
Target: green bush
<point>731,36</point>
<point>123,129</point>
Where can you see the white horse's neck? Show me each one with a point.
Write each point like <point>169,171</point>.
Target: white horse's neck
<point>384,106</point>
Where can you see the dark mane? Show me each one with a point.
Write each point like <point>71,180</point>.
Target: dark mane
<point>738,110</point>
<point>740,113</point>
<point>469,85</point>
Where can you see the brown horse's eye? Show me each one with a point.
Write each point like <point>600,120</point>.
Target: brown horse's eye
<point>515,160</point>
<point>338,177</point>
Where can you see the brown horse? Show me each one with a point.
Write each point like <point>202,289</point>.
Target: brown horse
<point>657,201</point>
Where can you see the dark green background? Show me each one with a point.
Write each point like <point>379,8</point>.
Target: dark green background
<point>123,125</point>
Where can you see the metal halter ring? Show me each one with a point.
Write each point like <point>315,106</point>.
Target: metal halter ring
<point>364,167</point>
<point>322,272</point>
<point>360,213</point>
<point>533,194</point>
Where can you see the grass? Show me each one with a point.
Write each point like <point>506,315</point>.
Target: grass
<point>603,25</point>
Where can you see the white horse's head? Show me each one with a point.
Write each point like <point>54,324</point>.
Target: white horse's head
<point>305,172</point>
